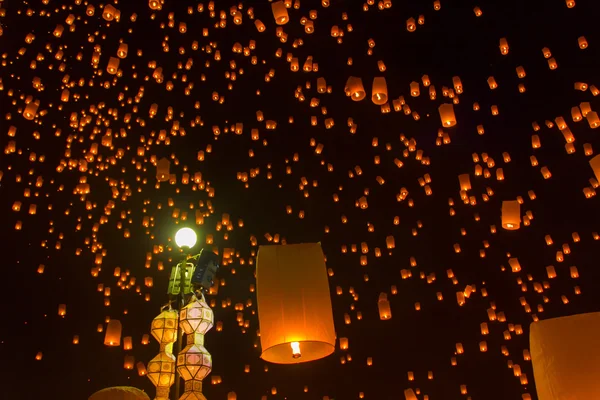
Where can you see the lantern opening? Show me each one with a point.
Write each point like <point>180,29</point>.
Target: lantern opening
<point>296,350</point>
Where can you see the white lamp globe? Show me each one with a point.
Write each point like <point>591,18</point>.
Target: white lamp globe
<point>185,237</point>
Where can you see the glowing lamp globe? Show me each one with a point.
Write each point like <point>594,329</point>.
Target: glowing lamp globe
<point>185,237</point>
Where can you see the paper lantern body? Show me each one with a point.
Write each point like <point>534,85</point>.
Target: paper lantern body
<point>161,369</point>
<point>595,164</point>
<point>447,115</point>
<point>566,357</point>
<point>280,13</point>
<point>465,182</point>
<point>511,215</point>
<point>355,88</point>
<point>162,170</point>
<point>294,303</point>
<point>379,95</point>
<point>164,326</point>
<point>113,333</point>
<point>119,393</point>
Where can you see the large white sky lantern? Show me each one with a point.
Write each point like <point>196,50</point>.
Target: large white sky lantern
<point>294,303</point>
<point>566,357</point>
<point>185,237</point>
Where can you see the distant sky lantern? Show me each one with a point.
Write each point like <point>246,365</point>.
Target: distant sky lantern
<point>447,115</point>
<point>425,80</point>
<point>504,46</point>
<point>113,333</point>
<point>379,92</point>
<point>355,88</point>
<point>110,13</point>
<point>31,110</point>
<point>593,119</point>
<point>595,164</point>
<point>565,357</point>
<point>511,214</point>
<point>414,89</point>
<point>155,5</point>
<point>294,304</point>
<point>464,182</point>
<point>260,26</point>
<point>280,13</point>
<point>383,304</point>
<point>113,65</point>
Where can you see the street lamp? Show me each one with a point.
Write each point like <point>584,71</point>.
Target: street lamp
<point>185,238</point>
<point>189,280</point>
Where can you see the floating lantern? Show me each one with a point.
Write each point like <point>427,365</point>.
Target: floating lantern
<point>292,285</point>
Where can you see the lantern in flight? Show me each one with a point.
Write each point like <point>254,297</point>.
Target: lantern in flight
<point>280,12</point>
<point>294,304</point>
<point>113,333</point>
<point>566,357</point>
<point>595,164</point>
<point>162,170</point>
<point>511,215</point>
<point>379,93</point>
<point>447,115</point>
<point>355,88</point>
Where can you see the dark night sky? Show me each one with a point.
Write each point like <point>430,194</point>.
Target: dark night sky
<point>453,41</point>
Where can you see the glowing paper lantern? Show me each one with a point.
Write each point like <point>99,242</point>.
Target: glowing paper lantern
<point>566,357</point>
<point>511,214</point>
<point>194,362</point>
<point>465,182</point>
<point>355,88</point>
<point>161,369</point>
<point>113,333</point>
<point>379,93</point>
<point>294,304</point>
<point>385,311</point>
<point>447,115</point>
<point>162,170</point>
<point>164,326</point>
<point>280,13</point>
<point>595,164</point>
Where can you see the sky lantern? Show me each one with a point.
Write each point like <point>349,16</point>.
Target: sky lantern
<point>162,170</point>
<point>503,46</point>
<point>379,92</point>
<point>595,164</point>
<point>355,88</point>
<point>112,336</point>
<point>565,358</point>
<point>447,115</point>
<point>280,12</point>
<point>464,182</point>
<point>383,304</point>
<point>511,214</point>
<point>296,276</point>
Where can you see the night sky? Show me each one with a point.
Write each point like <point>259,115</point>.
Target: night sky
<point>79,194</point>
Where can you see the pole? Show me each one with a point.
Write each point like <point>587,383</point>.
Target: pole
<point>181,301</point>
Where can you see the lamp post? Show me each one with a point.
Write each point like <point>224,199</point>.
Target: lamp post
<point>189,280</point>
<point>185,238</point>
